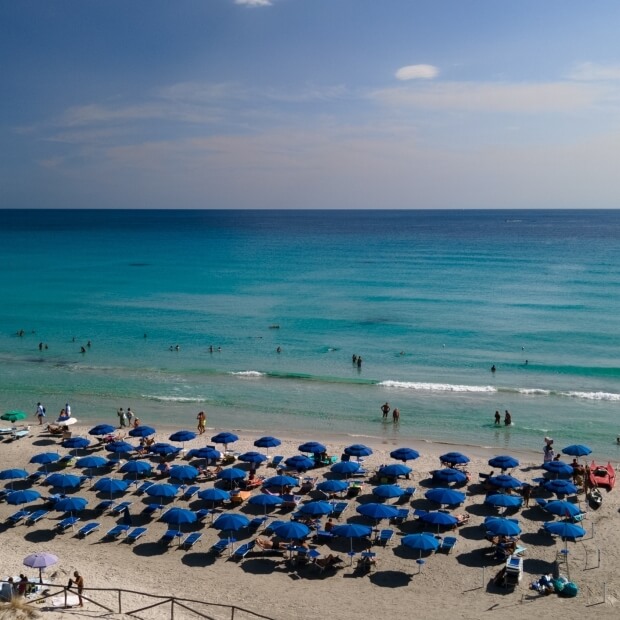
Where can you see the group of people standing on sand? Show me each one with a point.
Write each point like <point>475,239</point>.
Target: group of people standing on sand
<point>202,422</point>
<point>385,410</point>
<point>507,418</point>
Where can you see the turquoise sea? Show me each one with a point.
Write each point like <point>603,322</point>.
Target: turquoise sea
<point>429,299</point>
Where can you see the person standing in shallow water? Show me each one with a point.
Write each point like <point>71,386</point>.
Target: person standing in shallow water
<point>395,415</point>
<point>385,409</point>
<point>498,418</point>
<point>507,418</point>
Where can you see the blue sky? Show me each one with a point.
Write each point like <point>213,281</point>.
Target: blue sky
<point>310,104</point>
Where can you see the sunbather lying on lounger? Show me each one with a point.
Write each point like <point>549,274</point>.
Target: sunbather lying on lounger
<point>327,561</point>
<point>55,429</point>
<point>268,544</point>
<point>461,519</point>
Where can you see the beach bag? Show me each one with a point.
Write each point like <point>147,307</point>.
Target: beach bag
<point>569,590</point>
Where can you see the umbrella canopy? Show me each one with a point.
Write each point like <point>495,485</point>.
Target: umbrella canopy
<point>45,458</point>
<point>454,458</point>
<point>178,516</point>
<point>183,473</point>
<point>280,481</point>
<point>265,500</point>
<point>438,518</point>
<point>299,462</point>
<point>142,431</point>
<point>231,474</point>
<point>420,542</point>
<point>445,496</point>
<point>101,429</point>
<point>449,475</point>
<point>503,500</point>
<point>504,462</point>
<point>111,485</point>
<point>92,461</point>
<point>224,438</point>
<point>314,447</point>
<point>558,468</point>
<point>316,508</point>
<point>504,481</point>
<point>395,470</point>
<point>75,443</point>
<point>577,450</point>
<point>136,467</point>
<point>332,486</point>
<point>252,457</point>
<point>162,489</point>
<point>14,415</point>
<point>231,522</point>
<point>345,468</point>
<point>377,511</point>
<point>66,422</point>
<point>291,530</point>
<point>387,491</point>
<point>351,531</point>
<point>63,481</point>
<point>164,449</point>
<point>13,474</point>
<point>562,508</point>
<point>211,454</point>
<point>267,442</point>
<point>358,449</point>
<point>40,560</point>
<point>70,504</point>
<point>564,529</point>
<point>182,436</point>
<point>404,454</point>
<point>502,527</point>
<point>560,487</point>
<point>23,497</point>
<point>118,447</point>
<point>214,494</point>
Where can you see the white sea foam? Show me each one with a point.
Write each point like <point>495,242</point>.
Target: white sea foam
<point>437,387</point>
<point>593,395</point>
<point>248,373</point>
<point>174,399</point>
<point>534,392</point>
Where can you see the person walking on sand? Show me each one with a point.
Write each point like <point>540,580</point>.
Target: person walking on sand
<point>498,418</point>
<point>40,413</point>
<point>385,408</point>
<point>78,582</point>
<point>202,422</point>
<point>129,416</point>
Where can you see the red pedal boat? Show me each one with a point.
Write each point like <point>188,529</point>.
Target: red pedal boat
<point>602,476</point>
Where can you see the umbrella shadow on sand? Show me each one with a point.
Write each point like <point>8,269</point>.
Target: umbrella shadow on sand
<point>199,560</point>
<point>40,536</point>
<point>390,578</point>
<point>262,566</point>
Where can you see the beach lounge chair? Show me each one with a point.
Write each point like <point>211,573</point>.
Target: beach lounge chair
<point>136,533</point>
<point>221,545</point>
<point>36,516</point>
<point>104,505</point>
<point>203,513</point>
<point>87,529</point>
<point>66,523</point>
<point>190,540</point>
<point>385,537</point>
<point>150,509</point>
<point>448,543</point>
<point>276,461</point>
<point>256,522</point>
<point>116,531</point>
<point>241,551</point>
<point>403,515</point>
<point>290,500</point>
<point>19,434</point>
<point>190,492</point>
<point>36,476</point>
<point>144,486</point>
<point>323,536</point>
<point>330,562</point>
<point>170,535</point>
<point>116,510</point>
<point>339,508</point>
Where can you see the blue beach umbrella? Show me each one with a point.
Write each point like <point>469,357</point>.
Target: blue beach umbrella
<point>377,511</point>
<point>500,526</point>
<point>111,485</point>
<point>215,495</point>
<point>454,458</point>
<point>299,462</point>
<point>503,500</point>
<point>504,462</point>
<point>358,450</point>
<point>560,487</point>
<point>63,481</point>
<point>179,516</point>
<point>70,504</point>
<point>345,468</point>
<point>13,474</point>
<point>445,496</point>
<point>558,468</point>
<point>119,447</point>
<point>280,481</point>
<point>164,449</point>
<point>504,481</point>
<point>162,490</point>
<point>405,454</point>
<point>101,429</point>
<point>565,529</point>
<point>388,491</point>
<point>75,443</point>
<point>92,461</point>
<point>562,508</point>
<point>438,518</point>
<point>136,467</point>
<point>183,473</point>
<point>231,522</point>
<point>182,436</point>
<point>577,450</point>
<point>351,531</point>
<point>231,474</point>
<point>45,459</point>
<point>265,500</point>
<point>449,476</point>
<point>332,486</point>
<point>22,497</point>
<point>252,457</point>
<point>313,447</point>
<point>142,431</point>
<point>291,530</point>
<point>420,542</point>
<point>267,442</point>
<point>210,454</point>
<point>395,470</point>
<point>315,508</point>
<point>224,438</point>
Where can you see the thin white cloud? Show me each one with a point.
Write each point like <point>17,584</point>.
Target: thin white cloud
<point>495,97</point>
<point>417,72</point>
<point>254,2</point>
<point>591,71</point>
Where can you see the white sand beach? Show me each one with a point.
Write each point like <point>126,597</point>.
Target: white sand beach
<point>449,585</point>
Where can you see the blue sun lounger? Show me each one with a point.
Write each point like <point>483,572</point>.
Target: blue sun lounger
<point>116,531</point>
<point>448,543</point>
<point>87,529</point>
<point>385,537</point>
<point>339,508</point>
<point>144,486</point>
<point>190,492</point>
<point>36,516</point>
<point>116,510</point>
<point>190,540</point>
<point>221,545</point>
<point>170,535</point>
<point>16,517</point>
<point>66,523</point>
<point>150,509</point>
<point>136,533</point>
<point>104,505</point>
<point>241,551</point>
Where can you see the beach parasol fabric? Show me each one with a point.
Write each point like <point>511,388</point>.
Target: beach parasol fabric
<point>280,481</point>
<point>449,475</point>
<point>558,468</point>
<point>445,496</point>
<point>231,522</point>
<point>562,508</point>
<point>179,516</point>
<point>118,447</point>
<point>504,462</point>
<point>92,461</point>
<point>332,486</point>
<point>210,454</point>
<point>502,527</point>
<point>45,458</point>
<point>14,415</point>
<point>405,454</point>
<point>316,508</point>
<point>213,494</point>
<point>265,500</point>
<point>504,481</point>
<point>231,474</point>
<point>420,542</point>
<point>225,438</point>
<point>351,531</point>
<point>291,530</point>
<point>161,490</point>
<point>183,473</point>
<point>136,467</point>
<point>25,496</point>
<point>111,485</point>
<point>313,447</point>
<point>358,450</point>
<point>164,449</point>
<point>182,436</point>
<point>267,442</point>
<point>40,560</point>
<point>66,422</point>
<point>299,462</point>
<point>564,529</point>
<point>388,491</point>
<point>560,487</point>
<point>503,500</point>
<point>71,504</point>
<point>345,468</point>
<point>377,511</point>
<point>395,470</point>
<point>454,458</point>
<point>252,457</point>
<point>101,429</point>
<point>13,474</point>
<point>75,443</point>
<point>142,431</point>
<point>63,481</point>
<point>439,518</point>
<point>577,450</point>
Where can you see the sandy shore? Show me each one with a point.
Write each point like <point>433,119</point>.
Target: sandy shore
<point>449,585</point>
